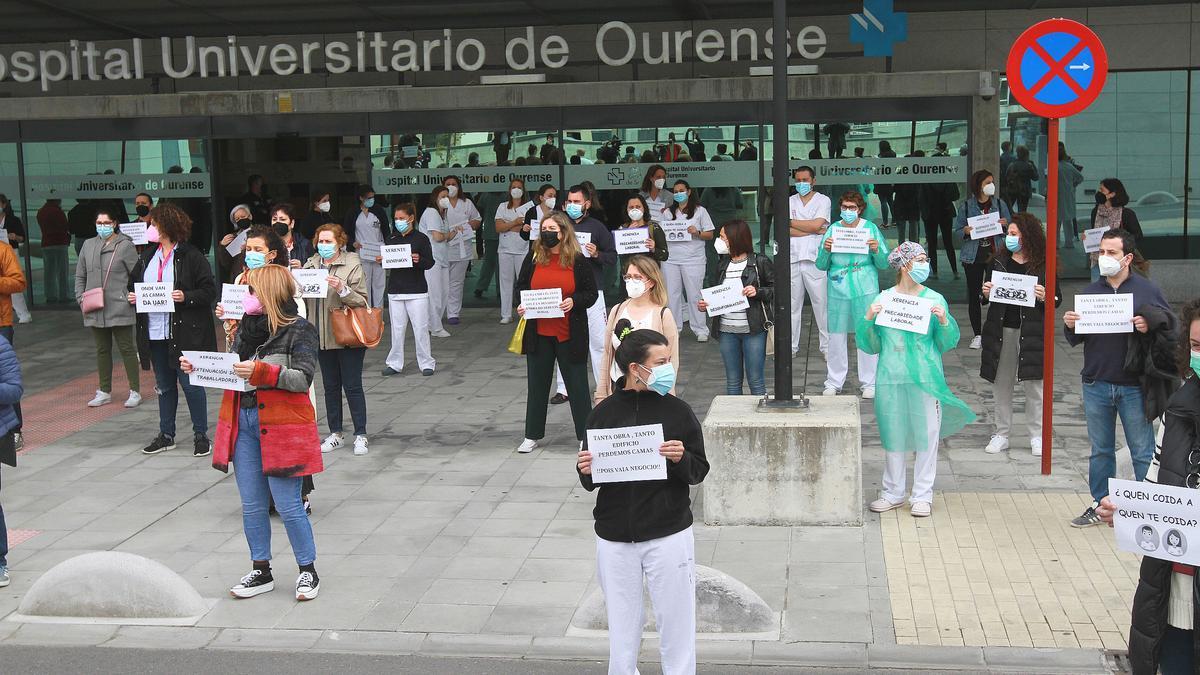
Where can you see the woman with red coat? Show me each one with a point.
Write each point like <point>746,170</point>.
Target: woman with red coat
<point>270,432</point>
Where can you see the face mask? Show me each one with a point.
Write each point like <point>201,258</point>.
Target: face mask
<point>575,210</point>
<point>402,226</point>
<point>549,239</point>
<point>1108,265</point>
<point>244,223</point>
<point>635,288</point>
<point>989,189</point>
<point>721,247</point>
<point>659,183</point>
<point>444,203</point>
<point>662,378</point>
<point>142,210</point>
<point>1012,242</point>
<point>323,207</point>
<point>849,216</point>
<point>255,260</point>
<point>680,197</point>
<point>325,250</point>
<point>803,187</point>
<point>280,229</point>
<point>152,234</point>
<point>251,305</point>
<point>104,231</point>
<point>452,190</point>
<point>549,202</point>
<point>919,272</point>
<point>369,202</point>
<point>516,193</point>
<point>1101,198</point>
<point>1195,363</point>
<point>635,215</point>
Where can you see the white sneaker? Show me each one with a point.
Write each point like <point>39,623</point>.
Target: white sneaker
<point>702,338</point>
<point>977,342</point>
<point>439,333</point>
<point>882,505</point>
<point>1036,445</point>
<point>332,442</point>
<point>997,444</point>
<point>829,391</point>
<point>28,318</point>
<point>922,509</point>
<point>134,400</point>
<point>528,445</point>
<point>360,445</point>
<point>505,322</point>
<point>868,393</point>
<point>100,399</point>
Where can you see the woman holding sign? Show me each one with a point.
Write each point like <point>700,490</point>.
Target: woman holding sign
<point>915,407</point>
<point>851,282</point>
<point>408,292</point>
<point>1013,335</point>
<point>978,249</point>
<point>644,527</point>
<point>556,264</point>
<point>1111,212</point>
<point>637,216</point>
<point>269,433</point>
<point>645,308</point>
<point>684,271</point>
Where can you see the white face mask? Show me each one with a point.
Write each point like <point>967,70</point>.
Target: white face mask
<point>721,247</point>
<point>635,288</point>
<point>516,192</point>
<point>323,207</point>
<point>659,183</point>
<point>1108,265</point>
<point>444,202</point>
<point>452,190</point>
<point>549,202</point>
<point>989,190</point>
<point>635,215</point>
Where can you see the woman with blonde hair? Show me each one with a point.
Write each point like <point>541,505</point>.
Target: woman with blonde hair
<point>645,308</point>
<point>556,262</point>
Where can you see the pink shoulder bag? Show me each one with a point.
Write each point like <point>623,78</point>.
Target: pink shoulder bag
<point>93,298</point>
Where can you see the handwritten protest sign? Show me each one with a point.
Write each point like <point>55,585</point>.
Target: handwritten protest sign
<point>542,303</point>
<point>1160,521</point>
<point>232,298</point>
<point>725,298</point>
<point>312,283</point>
<point>1013,289</point>
<point>155,297</point>
<point>850,240</point>
<point>135,231</point>
<point>627,454</point>
<point>905,312</point>
<point>986,225</point>
<point>632,240</point>
<point>214,370</point>
<point>239,242</point>
<point>676,230</point>
<point>1092,237</point>
<point>1104,313</point>
<point>584,238</point>
<point>397,256</point>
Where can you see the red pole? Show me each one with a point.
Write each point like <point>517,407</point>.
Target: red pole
<point>1051,316</point>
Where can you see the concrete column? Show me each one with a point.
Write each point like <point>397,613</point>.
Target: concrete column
<point>985,129</point>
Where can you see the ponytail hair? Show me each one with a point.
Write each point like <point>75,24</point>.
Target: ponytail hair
<point>635,346</point>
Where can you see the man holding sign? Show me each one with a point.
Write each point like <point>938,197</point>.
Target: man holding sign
<point>1108,389</point>
<point>601,253</point>
<point>644,450</point>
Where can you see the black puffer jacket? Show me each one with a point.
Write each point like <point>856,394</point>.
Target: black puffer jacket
<point>1181,435</point>
<point>759,273</point>
<point>1033,323</point>
<point>1151,355</point>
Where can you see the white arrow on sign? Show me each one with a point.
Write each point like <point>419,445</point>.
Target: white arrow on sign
<point>1079,66</point>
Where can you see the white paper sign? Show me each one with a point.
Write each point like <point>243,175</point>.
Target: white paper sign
<point>627,454</point>
<point>1013,289</point>
<point>1159,521</point>
<point>542,303</point>
<point>584,238</point>
<point>153,297</point>
<point>4,236</point>
<point>312,283</point>
<point>135,231</point>
<point>239,242</point>
<point>535,228</point>
<point>725,298</point>
<point>986,225</point>
<point>850,240</point>
<point>524,208</point>
<point>214,370</point>
<point>905,312</point>
<point>676,230</point>
<point>1104,313</point>
<point>232,298</point>
<point>369,252</point>
<point>397,256</point>
<point>1092,237</point>
<point>632,240</point>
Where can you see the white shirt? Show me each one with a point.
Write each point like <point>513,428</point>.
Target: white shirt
<point>367,229</point>
<point>432,221</point>
<point>511,241</point>
<point>657,205</point>
<point>459,215</point>
<point>688,252</point>
<point>818,206</point>
<point>160,322</point>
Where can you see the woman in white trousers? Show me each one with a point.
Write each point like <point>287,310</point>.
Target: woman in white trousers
<point>408,293</point>
<point>433,225</point>
<point>684,270</point>
<point>462,219</point>
<point>510,221</point>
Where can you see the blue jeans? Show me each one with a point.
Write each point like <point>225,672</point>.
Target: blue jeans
<point>1102,402</point>
<point>342,369</point>
<point>166,374</point>
<point>744,354</point>
<point>257,490</point>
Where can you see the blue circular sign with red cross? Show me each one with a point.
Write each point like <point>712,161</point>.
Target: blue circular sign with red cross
<point>1057,68</point>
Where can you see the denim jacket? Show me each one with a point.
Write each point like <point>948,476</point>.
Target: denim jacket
<point>970,247</point>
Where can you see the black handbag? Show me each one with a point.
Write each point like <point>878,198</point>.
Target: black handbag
<point>8,449</point>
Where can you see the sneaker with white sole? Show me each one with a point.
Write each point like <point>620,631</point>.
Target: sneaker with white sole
<point>868,393</point>
<point>360,445</point>
<point>882,505</point>
<point>1035,445</point>
<point>829,391</point>
<point>443,333</point>
<point>702,338</point>
<point>977,342</point>
<point>101,398</point>
<point>4,580</point>
<point>134,400</point>
<point>1088,518</point>
<point>308,584</point>
<point>922,509</point>
<point>332,442</point>
<point>255,583</point>
<point>997,444</point>
<point>528,445</point>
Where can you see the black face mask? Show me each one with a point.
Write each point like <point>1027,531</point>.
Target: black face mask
<point>143,210</point>
<point>549,239</point>
<point>244,223</point>
<point>1101,199</point>
<point>280,229</point>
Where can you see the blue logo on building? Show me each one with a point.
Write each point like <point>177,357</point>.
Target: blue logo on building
<point>878,28</point>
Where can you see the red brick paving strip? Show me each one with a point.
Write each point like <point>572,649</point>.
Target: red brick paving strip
<point>56,413</point>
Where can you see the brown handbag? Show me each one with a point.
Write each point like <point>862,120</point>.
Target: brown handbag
<point>357,326</point>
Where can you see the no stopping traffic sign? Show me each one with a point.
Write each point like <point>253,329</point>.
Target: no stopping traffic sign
<point>1057,67</point>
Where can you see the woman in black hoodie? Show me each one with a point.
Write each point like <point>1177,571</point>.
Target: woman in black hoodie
<point>644,528</point>
<point>408,292</point>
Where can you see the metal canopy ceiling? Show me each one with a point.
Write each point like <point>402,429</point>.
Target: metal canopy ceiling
<point>35,21</point>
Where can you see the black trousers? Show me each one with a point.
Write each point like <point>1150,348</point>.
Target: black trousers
<point>975,273</point>
<point>539,364</point>
<point>940,222</point>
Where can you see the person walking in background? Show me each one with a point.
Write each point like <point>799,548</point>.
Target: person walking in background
<point>106,263</point>
<point>56,240</point>
<point>937,210</point>
<point>10,223</point>
<point>11,390</point>
<point>408,293</point>
<point>810,214</point>
<point>1070,177</point>
<point>163,336</point>
<point>743,334</point>
<point>853,282</point>
<point>433,225</point>
<point>1019,179</point>
<point>341,366</point>
<point>976,254</point>
<point>645,308</point>
<point>1013,341</point>
<point>1112,211</point>
<point>915,407</point>
<point>367,226</point>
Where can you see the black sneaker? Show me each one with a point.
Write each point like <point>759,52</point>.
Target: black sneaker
<point>307,508</point>
<point>161,442</point>
<point>1088,518</point>
<point>202,446</point>
<point>18,441</point>
<point>255,583</point>
<point>558,399</point>
<point>308,584</point>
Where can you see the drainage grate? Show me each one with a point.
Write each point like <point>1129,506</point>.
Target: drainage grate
<point>1117,661</point>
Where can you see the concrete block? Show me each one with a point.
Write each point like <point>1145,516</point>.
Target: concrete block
<point>799,467</point>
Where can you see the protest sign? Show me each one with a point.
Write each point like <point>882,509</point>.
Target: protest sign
<point>542,303</point>
<point>1092,237</point>
<point>850,240</point>
<point>214,370</point>
<point>239,242</point>
<point>632,240</point>
<point>312,283</point>
<point>397,256</point>
<point>154,297</point>
<point>135,231</point>
<point>1104,313</point>
<point>627,454</point>
<point>1013,289</point>
<point>232,298</point>
<point>369,252</point>
<point>986,225</point>
<point>1160,521</point>
<point>905,312</point>
<point>584,238</point>
<point>676,230</point>
<point>725,298</point>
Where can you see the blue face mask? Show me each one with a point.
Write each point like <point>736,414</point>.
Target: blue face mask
<point>255,260</point>
<point>402,226</point>
<point>679,197</point>
<point>803,187</point>
<point>574,210</point>
<point>849,217</point>
<point>369,202</point>
<point>662,378</point>
<point>1012,242</point>
<point>104,231</point>
<point>325,250</point>
<point>919,272</point>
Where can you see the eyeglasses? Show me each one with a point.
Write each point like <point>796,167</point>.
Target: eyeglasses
<point>630,277</point>
<point>104,222</point>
